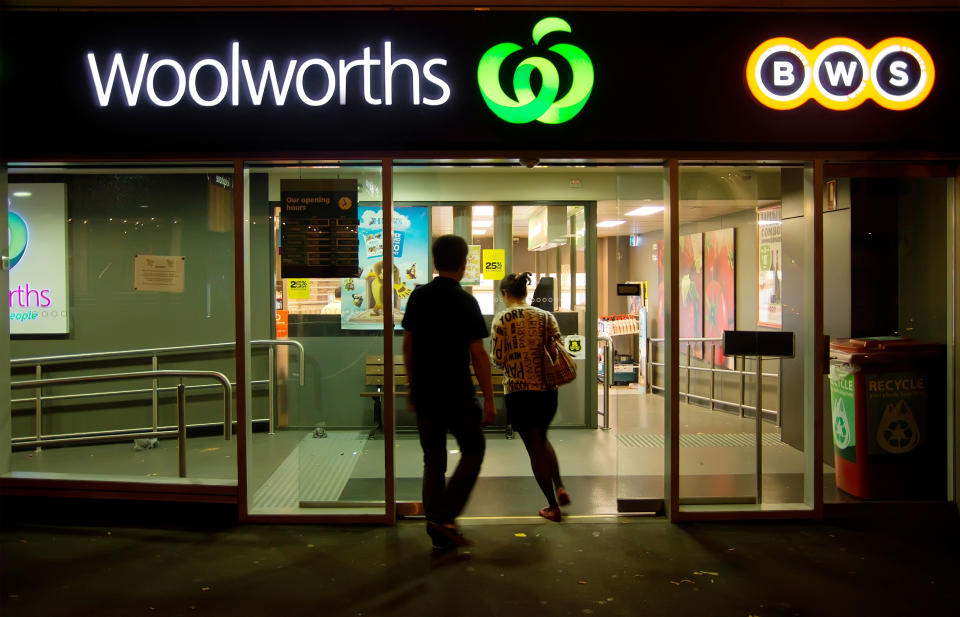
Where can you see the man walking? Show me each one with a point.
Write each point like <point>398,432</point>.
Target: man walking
<point>443,334</point>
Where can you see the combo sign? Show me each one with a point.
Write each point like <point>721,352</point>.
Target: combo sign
<point>840,73</point>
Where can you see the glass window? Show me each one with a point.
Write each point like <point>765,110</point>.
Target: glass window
<point>887,309</point>
<point>119,271</point>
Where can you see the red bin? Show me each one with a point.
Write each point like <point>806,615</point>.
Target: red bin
<point>888,415</point>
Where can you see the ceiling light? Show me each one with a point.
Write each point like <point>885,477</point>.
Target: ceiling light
<point>645,211</point>
<point>481,224</point>
<point>484,210</point>
<point>22,193</point>
<point>610,223</point>
<point>479,232</point>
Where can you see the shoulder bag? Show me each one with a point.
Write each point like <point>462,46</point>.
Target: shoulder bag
<point>558,365</point>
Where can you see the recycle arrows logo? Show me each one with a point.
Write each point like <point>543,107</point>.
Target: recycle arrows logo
<point>542,106</point>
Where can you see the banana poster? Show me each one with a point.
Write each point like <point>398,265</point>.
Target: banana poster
<point>362,296</point>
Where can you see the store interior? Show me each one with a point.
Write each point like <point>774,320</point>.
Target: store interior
<point>581,228</point>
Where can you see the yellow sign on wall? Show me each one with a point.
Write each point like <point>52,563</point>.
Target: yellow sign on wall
<point>494,264</point>
<point>298,289</point>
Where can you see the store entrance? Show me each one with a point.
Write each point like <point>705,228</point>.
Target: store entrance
<point>542,220</point>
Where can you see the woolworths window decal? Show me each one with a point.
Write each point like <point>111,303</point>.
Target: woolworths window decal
<point>541,106</point>
<point>37,241</point>
<point>840,73</point>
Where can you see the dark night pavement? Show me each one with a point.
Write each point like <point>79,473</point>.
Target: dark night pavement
<point>639,566</point>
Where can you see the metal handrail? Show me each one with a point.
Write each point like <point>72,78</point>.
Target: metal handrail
<point>689,340</point>
<point>153,353</point>
<point>79,395</point>
<point>181,397</point>
<point>713,370</point>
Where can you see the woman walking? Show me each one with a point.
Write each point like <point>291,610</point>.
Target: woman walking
<point>519,335</point>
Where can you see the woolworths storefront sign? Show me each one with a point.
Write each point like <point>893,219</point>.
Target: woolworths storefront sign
<point>219,84</point>
<point>235,79</point>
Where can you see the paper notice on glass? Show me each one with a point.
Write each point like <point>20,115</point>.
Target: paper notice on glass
<point>158,273</point>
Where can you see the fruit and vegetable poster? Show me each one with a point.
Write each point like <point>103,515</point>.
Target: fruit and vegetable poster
<point>691,290</point>
<point>769,274</point>
<point>471,275</point>
<point>719,287</point>
<point>362,296</point>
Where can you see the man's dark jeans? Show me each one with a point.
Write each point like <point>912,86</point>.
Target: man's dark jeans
<point>443,503</point>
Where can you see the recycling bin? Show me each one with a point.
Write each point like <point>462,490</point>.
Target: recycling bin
<point>888,412</point>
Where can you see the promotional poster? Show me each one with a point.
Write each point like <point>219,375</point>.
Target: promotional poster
<point>472,274</point>
<point>768,267</point>
<point>37,232</point>
<point>362,297</point>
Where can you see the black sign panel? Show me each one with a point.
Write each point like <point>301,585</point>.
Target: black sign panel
<point>254,84</point>
<point>318,229</point>
<point>758,343</point>
<point>629,289</point>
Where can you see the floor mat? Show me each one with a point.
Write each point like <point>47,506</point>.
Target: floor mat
<point>700,440</point>
<point>316,470</point>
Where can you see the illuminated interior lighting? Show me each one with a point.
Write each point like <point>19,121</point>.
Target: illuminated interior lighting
<point>645,211</point>
<point>610,223</point>
<point>483,210</point>
<point>22,193</point>
<point>481,224</point>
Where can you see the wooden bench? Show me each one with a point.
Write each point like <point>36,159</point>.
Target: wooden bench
<point>374,378</point>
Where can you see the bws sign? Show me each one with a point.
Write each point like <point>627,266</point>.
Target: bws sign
<point>840,73</point>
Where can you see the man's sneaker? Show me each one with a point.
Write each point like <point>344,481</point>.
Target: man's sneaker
<point>444,535</point>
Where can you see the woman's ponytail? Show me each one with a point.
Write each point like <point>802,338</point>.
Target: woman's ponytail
<point>516,285</point>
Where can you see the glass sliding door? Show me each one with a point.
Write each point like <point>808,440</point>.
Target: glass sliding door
<point>746,247</point>
<point>539,220</point>
<point>629,228</point>
<point>316,445</point>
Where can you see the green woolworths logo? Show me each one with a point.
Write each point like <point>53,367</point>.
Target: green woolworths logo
<point>542,106</point>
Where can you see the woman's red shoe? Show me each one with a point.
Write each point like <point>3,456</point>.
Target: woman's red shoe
<point>551,514</point>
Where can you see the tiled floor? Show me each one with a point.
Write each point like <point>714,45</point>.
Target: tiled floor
<point>717,460</point>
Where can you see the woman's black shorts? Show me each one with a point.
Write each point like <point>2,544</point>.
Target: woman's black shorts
<point>531,409</point>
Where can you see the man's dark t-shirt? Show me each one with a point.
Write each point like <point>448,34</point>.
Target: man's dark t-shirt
<point>443,319</point>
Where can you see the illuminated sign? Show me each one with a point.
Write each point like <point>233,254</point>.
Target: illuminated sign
<point>208,82</point>
<point>840,73</point>
<point>543,105</point>
<point>37,220</point>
